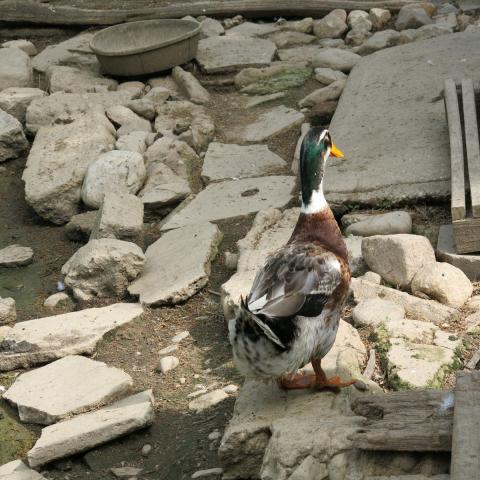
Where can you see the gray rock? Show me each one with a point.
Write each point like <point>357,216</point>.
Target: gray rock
<point>118,169</point>
<point>301,55</point>
<point>397,258</point>
<point>43,340</point>
<point>167,363</point>
<point>17,470</point>
<point>325,94</point>
<point>143,107</point>
<point>371,277</point>
<point>379,17</point>
<point>8,311</point>
<point>59,301</point>
<point>15,68</point>
<point>474,304</point>
<point>446,252</point>
<point>74,52</point>
<point>310,468</point>
<point>158,95</point>
<point>332,25</point>
<point>442,282</point>
<point>230,53</point>
<point>80,226</point>
<point>189,84</point>
<point>169,349</point>
<point>261,99</point>
<point>286,39</point>
<point>376,311</point>
<point>224,161</point>
<point>382,224</point>
<point>76,80</point>
<point>355,258</point>
<point>15,256</point>
<point>356,38</point>
<point>207,473</point>
<point>431,31</point>
<point>103,268</point>
<point>63,108</point>
<point>126,472</point>
<point>379,41</point>
<point>449,21</point>
<point>22,44</point>
<point>271,229</point>
<point>412,18</point>
<point>424,169</point>
<point>88,430</point>
<point>305,25</point>
<point>127,120</point>
<point>251,29</point>
<point>354,217</point>
<point>133,142</point>
<point>272,123</point>
<point>12,139</point>
<point>208,400</point>
<point>146,450</point>
<point>58,390</point>
<point>427,310</point>
<point>230,199</point>
<point>15,100</point>
<point>120,216</point>
<point>328,76</point>
<point>177,265</point>
<point>336,59</point>
<point>211,28</point>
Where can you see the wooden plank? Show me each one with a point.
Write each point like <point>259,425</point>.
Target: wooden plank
<point>456,151</point>
<point>30,11</point>
<point>467,235</point>
<point>405,421</point>
<point>472,144</point>
<point>465,462</point>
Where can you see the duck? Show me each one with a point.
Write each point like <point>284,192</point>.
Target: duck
<point>291,315</point>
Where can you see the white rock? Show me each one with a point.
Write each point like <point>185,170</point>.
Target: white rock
<point>189,84</point>
<point>25,45</point>
<point>382,224</point>
<point>128,120</point>
<point>442,282</point>
<point>15,68</point>
<point>15,256</point>
<point>168,363</point>
<point>208,400</point>
<point>379,41</point>
<point>286,39</point>
<point>177,265</point>
<point>167,350</point>
<point>58,300</point>
<point>43,340</point>
<point>180,336</point>
<point>134,85</point>
<point>230,199</point>
<point>88,430</point>
<point>113,170</point>
<point>230,388</point>
<point>215,435</point>
<point>379,17</point>
<point>371,277</point>
<point>332,25</point>
<point>325,94</point>
<point>143,107</point>
<point>273,123</point>
<point>8,311</point>
<point>375,311</point>
<point>397,258</point>
<point>133,142</point>
<point>12,139</point>
<point>328,76</point>
<point>55,391</point>
<point>207,473</point>
<point>359,20</point>
<point>126,472</point>
<point>15,100</point>
<point>412,330</point>
<point>232,52</point>
<point>103,268</point>
<point>473,322</point>
<point>146,450</point>
<point>261,99</point>
<point>474,303</point>
<point>355,258</point>
<point>17,470</point>
<point>53,176</point>
<point>336,59</point>
<point>305,25</point>
<point>211,28</point>
<point>158,95</point>
<point>76,80</point>
<point>120,216</point>
<point>223,161</point>
<point>412,18</point>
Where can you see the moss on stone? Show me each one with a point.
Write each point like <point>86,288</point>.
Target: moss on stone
<point>291,78</point>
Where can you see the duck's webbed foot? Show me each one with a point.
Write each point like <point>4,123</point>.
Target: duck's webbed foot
<point>296,381</point>
<point>322,382</point>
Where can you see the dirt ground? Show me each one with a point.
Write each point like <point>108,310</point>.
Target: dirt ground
<point>179,438</point>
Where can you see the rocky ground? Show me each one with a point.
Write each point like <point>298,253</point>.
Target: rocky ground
<point>136,211</point>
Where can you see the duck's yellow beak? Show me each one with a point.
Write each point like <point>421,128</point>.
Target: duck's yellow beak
<point>336,152</point>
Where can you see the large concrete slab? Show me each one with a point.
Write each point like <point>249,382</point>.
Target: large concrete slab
<point>177,265</point>
<point>72,384</point>
<point>232,198</point>
<point>45,339</point>
<point>91,429</point>
<point>391,123</point>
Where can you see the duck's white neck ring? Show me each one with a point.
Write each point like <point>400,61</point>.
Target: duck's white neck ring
<point>317,201</point>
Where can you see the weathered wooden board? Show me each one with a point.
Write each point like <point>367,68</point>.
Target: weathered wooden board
<point>467,235</point>
<point>472,144</point>
<point>466,427</point>
<point>458,208</point>
<point>30,11</point>
<point>405,421</point>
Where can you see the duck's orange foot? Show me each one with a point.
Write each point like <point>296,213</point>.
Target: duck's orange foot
<point>336,383</point>
<point>297,381</point>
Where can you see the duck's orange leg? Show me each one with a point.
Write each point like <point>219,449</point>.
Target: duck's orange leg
<point>322,382</point>
<point>297,381</point>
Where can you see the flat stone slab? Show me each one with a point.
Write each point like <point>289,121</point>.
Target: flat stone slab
<point>72,384</point>
<point>15,256</point>
<point>177,265</point>
<point>45,339</point>
<point>227,161</point>
<point>272,123</point>
<point>230,53</point>
<point>17,470</point>
<point>390,97</point>
<point>232,198</point>
<point>88,430</point>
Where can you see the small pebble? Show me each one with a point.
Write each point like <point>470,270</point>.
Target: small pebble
<point>180,336</point>
<point>146,449</point>
<point>230,388</point>
<point>166,364</point>
<point>182,380</point>
<point>206,473</point>
<point>167,350</point>
<point>215,435</point>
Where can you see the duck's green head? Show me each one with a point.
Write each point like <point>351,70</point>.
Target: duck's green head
<point>317,146</point>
